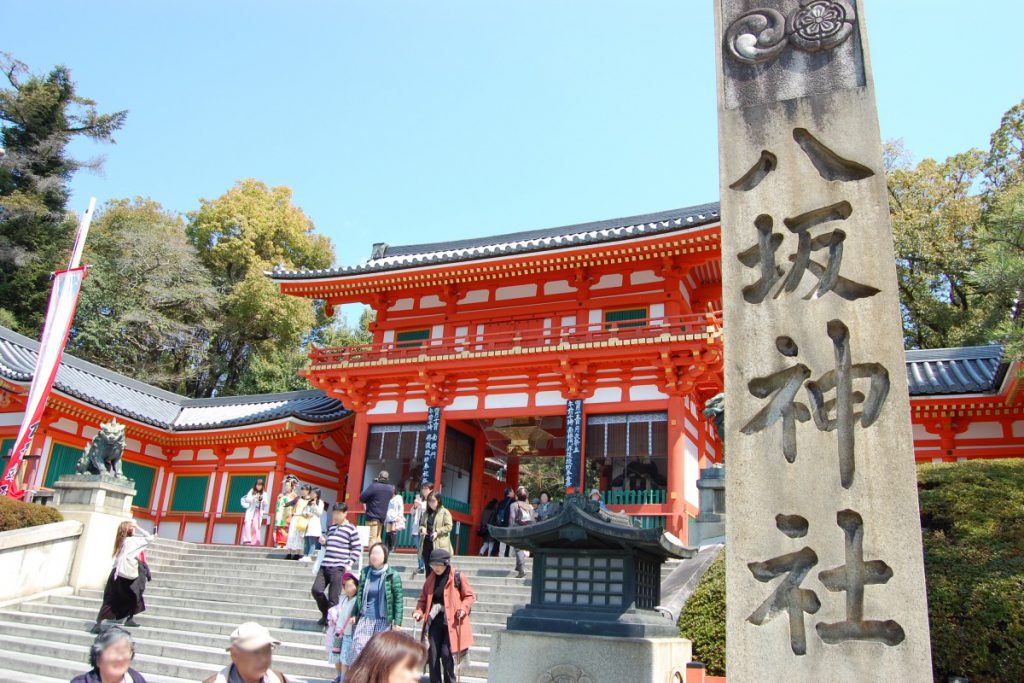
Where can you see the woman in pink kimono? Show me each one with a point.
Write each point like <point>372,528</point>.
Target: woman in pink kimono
<point>256,504</point>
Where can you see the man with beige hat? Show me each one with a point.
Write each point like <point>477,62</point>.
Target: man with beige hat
<point>252,650</point>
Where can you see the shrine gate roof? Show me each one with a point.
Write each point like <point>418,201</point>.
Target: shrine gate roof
<point>387,258</point>
<point>164,409</point>
<point>967,370</point>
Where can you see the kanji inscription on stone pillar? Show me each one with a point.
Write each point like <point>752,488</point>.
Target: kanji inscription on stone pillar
<point>825,578</point>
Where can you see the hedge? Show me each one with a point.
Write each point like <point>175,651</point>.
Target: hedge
<point>972,524</point>
<point>15,514</point>
<point>702,620</point>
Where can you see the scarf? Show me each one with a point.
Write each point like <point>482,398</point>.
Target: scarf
<point>376,581</point>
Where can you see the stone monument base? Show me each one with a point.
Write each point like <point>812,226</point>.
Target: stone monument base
<point>100,502</point>
<point>528,657</point>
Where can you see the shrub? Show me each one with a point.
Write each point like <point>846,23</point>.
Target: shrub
<point>972,518</point>
<point>17,515</point>
<point>972,524</point>
<point>702,620</point>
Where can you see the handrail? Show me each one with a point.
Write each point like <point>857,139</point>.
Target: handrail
<point>531,334</point>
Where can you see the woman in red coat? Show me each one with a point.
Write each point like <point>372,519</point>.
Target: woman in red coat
<point>445,602</point>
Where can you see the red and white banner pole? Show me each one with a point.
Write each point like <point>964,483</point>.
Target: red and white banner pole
<point>61,312</point>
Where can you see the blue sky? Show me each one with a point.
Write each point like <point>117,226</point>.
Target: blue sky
<point>419,121</point>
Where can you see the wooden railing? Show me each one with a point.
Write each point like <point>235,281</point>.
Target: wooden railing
<point>535,337</point>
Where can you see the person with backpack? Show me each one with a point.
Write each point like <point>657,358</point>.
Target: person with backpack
<point>521,513</point>
<point>444,606</point>
<point>501,517</point>
<point>379,602</point>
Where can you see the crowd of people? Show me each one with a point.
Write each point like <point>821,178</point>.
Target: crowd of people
<point>361,607</point>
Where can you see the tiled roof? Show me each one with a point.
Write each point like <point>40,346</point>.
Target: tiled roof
<point>386,258</point>
<point>139,401</point>
<point>967,370</point>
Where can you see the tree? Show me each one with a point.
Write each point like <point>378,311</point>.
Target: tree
<point>239,236</point>
<point>278,369</point>
<point>147,307</point>
<point>1004,165</point>
<point>1002,267</point>
<point>39,117</point>
<point>936,216</point>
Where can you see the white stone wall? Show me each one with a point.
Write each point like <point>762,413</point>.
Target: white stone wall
<point>37,559</point>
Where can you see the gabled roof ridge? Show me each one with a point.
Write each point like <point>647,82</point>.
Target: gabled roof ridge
<point>387,258</point>
<point>97,370</point>
<point>540,233</point>
<point>246,399</point>
<point>956,352</point>
<point>131,398</point>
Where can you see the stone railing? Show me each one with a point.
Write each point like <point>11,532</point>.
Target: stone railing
<point>37,559</point>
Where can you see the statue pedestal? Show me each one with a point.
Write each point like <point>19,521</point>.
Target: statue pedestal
<point>531,657</point>
<point>100,502</point>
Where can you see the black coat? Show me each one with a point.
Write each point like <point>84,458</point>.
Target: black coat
<point>376,498</point>
<point>94,677</point>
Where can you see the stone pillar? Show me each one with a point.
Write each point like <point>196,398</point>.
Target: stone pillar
<point>825,576</point>
<point>100,503</point>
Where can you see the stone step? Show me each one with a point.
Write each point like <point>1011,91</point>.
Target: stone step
<point>82,617</point>
<point>241,612</point>
<point>66,661</point>
<point>306,662</point>
<point>175,575</point>
<point>298,596</point>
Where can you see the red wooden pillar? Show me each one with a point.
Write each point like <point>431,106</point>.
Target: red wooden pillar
<point>675,496</point>
<point>215,499</point>
<point>512,473</point>
<point>357,461</point>
<point>281,450</point>
<point>476,487</point>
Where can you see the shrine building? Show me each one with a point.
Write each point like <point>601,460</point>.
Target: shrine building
<point>487,353</point>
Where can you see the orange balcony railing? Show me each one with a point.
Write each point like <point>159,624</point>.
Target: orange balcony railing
<point>531,337</point>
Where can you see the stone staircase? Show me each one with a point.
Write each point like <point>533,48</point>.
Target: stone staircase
<point>201,593</point>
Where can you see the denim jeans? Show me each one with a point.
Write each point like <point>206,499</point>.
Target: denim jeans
<point>419,556</point>
<point>310,545</point>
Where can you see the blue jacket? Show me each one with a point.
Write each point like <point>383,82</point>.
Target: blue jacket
<point>376,498</point>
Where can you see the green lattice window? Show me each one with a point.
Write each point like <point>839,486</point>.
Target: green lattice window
<point>144,476</point>
<point>63,460</point>
<point>190,493</point>
<point>238,486</point>
<point>410,339</point>
<point>627,317</point>
<point>5,445</point>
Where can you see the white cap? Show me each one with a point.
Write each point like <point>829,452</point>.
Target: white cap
<point>251,636</point>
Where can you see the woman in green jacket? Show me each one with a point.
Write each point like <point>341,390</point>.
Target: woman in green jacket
<point>435,528</point>
<point>379,601</point>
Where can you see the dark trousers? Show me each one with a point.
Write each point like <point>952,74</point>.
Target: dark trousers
<point>428,547</point>
<point>442,661</point>
<point>327,588</point>
<point>390,539</point>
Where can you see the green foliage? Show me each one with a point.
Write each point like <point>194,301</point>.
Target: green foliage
<point>972,517</point>
<point>15,514</point>
<point>241,235</point>
<point>39,116</point>
<point>543,474</point>
<point>147,308</point>
<point>1004,165</point>
<point>702,620</point>
<point>936,216</point>
<point>1002,265</point>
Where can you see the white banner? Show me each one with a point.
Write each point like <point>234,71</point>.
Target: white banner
<point>61,311</point>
